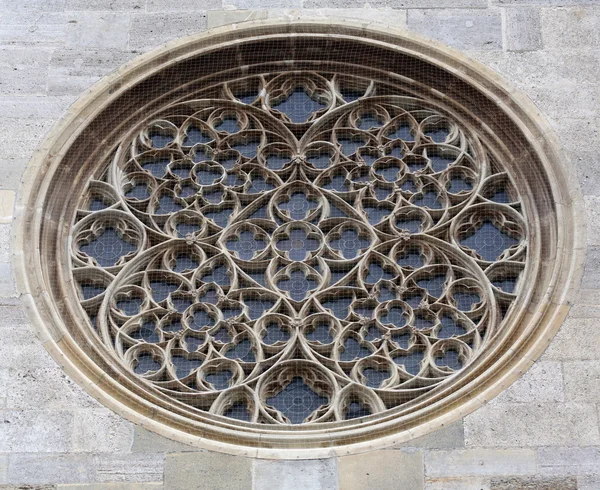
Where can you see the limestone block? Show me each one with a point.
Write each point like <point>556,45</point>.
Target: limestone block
<point>30,27</point>
<point>33,107</point>
<point>571,27</point>
<point>403,4</point>
<point>23,71</point>
<point>7,203</point>
<point>111,486</point>
<point>523,29</point>
<point>471,483</point>
<point>542,383</point>
<point>219,471</point>
<point>281,475</point>
<point>461,29</point>
<point>151,30</point>
<point>582,381</point>
<point>3,468</point>
<point>38,5</point>
<point>389,16</point>
<point>7,286</point>
<point>533,483</point>
<point>121,5</point>
<point>50,468</point>
<point>569,460</point>
<point>20,137</point>
<point>574,339</point>
<point>19,348</point>
<point>592,212</point>
<point>4,242</point>
<point>108,30</point>
<point>11,171</point>
<point>452,436</point>
<point>73,71</point>
<point>532,424</point>
<point>145,441</point>
<point>49,386</point>
<point>479,462</point>
<point>263,4</point>
<point>182,5</point>
<point>122,468</point>
<point>100,430</point>
<point>588,482</point>
<point>382,469</point>
<point>36,430</point>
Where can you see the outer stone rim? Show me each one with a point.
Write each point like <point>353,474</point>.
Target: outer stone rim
<point>538,328</point>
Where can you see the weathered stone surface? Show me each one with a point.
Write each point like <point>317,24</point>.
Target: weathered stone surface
<point>452,436</point>
<point>43,5</point>
<point>372,470</point>
<point>121,5</point>
<point>570,27</point>
<point>222,17</point>
<point>111,486</point>
<point>462,29</point>
<point>591,274</point>
<point>27,487</point>
<point>269,4</point>
<point>23,71</point>
<point>107,30</point>
<point>151,30</point>
<point>592,211</point>
<point>118,468</point>
<point>84,468</point>
<point>573,340</point>
<point>220,471</point>
<point>543,382</point>
<point>470,483</point>
<point>582,381</point>
<point>532,424</point>
<point>20,137</point>
<point>480,462</point>
<point>100,430</point>
<point>4,243</point>
<point>36,430</point>
<point>145,441</point>
<point>588,482</point>
<point>533,483</point>
<point>72,71</point>
<point>7,287</point>
<point>51,468</point>
<point>309,474</point>
<point>182,5</point>
<point>3,468</point>
<point>11,170</point>
<point>569,460</point>
<point>402,4</point>
<point>19,347</point>
<point>51,388</point>
<point>30,27</point>
<point>522,29</point>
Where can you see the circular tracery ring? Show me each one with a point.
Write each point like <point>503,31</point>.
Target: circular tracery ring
<point>290,255</point>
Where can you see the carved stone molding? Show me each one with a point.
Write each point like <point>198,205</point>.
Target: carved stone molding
<point>298,240</point>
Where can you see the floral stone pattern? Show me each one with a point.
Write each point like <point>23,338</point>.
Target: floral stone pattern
<point>298,248</point>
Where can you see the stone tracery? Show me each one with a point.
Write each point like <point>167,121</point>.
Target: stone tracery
<point>305,253</point>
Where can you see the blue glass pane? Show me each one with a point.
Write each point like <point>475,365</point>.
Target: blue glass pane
<point>107,248</point>
<point>298,107</point>
<point>489,242</point>
<point>297,401</point>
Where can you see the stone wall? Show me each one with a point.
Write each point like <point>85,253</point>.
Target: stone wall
<point>541,433</point>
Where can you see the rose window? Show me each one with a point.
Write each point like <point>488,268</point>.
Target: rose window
<point>295,254</point>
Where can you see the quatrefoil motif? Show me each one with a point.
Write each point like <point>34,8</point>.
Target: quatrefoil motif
<point>304,251</point>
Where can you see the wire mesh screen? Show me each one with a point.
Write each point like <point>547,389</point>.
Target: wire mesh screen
<point>297,231</point>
